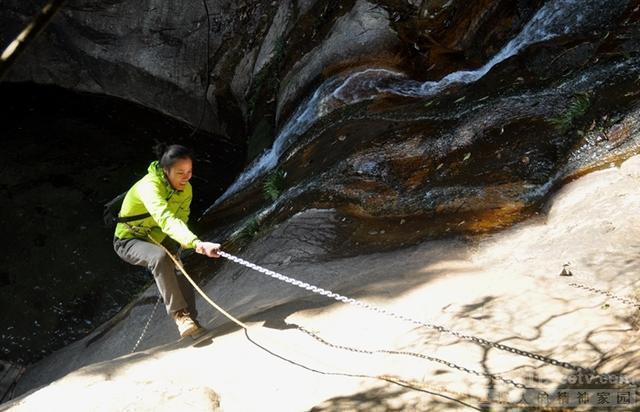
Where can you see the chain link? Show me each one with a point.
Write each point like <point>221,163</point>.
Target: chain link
<point>626,301</point>
<point>416,355</point>
<point>439,328</point>
<point>146,326</point>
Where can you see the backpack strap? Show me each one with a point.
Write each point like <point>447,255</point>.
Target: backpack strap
<point>125,219</point>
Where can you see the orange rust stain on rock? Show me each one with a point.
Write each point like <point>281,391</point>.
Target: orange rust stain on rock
<point>412,171</point>
<point>418,178</point>
<point>491,219</point>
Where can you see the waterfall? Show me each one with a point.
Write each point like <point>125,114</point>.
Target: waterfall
<point>555,18</point>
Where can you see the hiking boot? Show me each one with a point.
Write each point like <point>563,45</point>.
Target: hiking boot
<point>186,325</point>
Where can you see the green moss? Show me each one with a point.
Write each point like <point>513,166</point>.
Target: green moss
<point>274,185</point>
<point>248,232</point>
<point>576,109</point>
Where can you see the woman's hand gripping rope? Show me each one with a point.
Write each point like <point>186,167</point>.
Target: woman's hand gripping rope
<point>212,249</point>
<point>209,249</point>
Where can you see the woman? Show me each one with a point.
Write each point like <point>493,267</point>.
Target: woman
<point>160,204</point>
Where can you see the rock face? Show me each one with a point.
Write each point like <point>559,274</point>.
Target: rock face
<point>150,52</point>
<point>260,58</point>
<point>156,53</point>
<point>363,31</point>
<point>473,151</point>
<point>400,136</point>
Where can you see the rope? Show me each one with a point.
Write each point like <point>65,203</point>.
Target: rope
<point>144,330</point>
<point>197,288</point>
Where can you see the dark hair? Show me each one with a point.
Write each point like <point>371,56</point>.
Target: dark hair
<point>168,155</point>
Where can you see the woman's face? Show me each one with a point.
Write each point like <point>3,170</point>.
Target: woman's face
<point>179,174</point>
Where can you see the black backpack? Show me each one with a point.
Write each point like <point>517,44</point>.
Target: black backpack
<point>112,209</point>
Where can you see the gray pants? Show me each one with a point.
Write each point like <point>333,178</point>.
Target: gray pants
<point>175,289</point>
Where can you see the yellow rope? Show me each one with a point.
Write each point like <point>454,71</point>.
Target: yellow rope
<point>200,291</point>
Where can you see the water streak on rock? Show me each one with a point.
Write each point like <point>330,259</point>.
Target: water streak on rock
<point>558,17</point>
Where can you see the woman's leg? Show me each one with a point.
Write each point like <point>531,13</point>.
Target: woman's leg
<point>186,288</point>
<point>142,253</point>
<point>188,293</point>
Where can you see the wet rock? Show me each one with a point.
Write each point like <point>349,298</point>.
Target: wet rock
<point>445,36</point>
<point>483,153</point>
<point>362,31</point>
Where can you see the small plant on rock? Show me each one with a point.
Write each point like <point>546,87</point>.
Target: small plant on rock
<point>248,231</point>
<point>274,185</point>
<point>576,109</point>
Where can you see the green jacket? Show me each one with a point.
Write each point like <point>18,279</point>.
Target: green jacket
<point>169,209</point>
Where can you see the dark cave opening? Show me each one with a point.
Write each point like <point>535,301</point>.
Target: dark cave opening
<point>64,154</point>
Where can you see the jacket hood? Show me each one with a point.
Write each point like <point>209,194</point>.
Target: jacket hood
<point>155,170</point>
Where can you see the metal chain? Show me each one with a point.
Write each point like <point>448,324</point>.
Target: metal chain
<point>144,330</point>
<point>397,380</point>
<point>439,328</point>
<point>416,355</point>
<point>607,293</point>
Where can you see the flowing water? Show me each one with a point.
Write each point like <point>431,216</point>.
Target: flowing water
<point>556,17</point>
